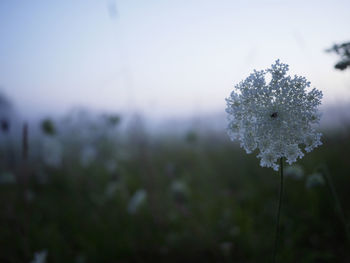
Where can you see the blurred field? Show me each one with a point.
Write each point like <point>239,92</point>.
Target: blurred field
<point>89,191</point>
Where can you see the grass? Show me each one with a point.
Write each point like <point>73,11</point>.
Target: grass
<point>205,201</point>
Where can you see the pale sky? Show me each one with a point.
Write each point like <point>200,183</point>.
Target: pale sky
<point>162,58</point>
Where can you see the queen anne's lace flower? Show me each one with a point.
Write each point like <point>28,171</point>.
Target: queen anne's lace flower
<point>276,117</point>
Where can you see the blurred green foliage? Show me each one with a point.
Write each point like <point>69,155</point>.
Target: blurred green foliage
<point>198,198</point>
<point>48,127</point>
<point>113,119</point>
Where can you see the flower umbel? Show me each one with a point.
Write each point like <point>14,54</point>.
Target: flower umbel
<point>277,117</point>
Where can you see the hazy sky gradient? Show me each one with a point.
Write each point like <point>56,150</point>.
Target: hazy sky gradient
<point>162,58</point>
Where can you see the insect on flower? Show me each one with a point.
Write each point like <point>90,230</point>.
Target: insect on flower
<point>276,118</point>
<point>274,115</point>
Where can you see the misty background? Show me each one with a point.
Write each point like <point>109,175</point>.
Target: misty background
<point>164,60</point>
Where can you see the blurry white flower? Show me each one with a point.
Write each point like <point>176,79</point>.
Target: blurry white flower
<point>136,201</point>
<point>315,179</point>
<point>276,117</point>
<point>294,171</point>
<point>87,156</point>
<point>29,195</point>
<point>179,190</point>
<point>111,166</point>
<point>52,151</point>
<point>7,178</point>
<point>111,189</point>
<point>40,257</point>
<point>179,187</point>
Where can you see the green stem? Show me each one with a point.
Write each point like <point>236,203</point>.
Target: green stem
<point>278,213</point>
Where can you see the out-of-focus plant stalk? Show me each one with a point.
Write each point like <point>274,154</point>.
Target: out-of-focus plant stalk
<point>334,194</point>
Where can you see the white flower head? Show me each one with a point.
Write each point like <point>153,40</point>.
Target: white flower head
<point>276,117</point>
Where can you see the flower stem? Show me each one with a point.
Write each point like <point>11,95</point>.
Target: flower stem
<point>278,213</point>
